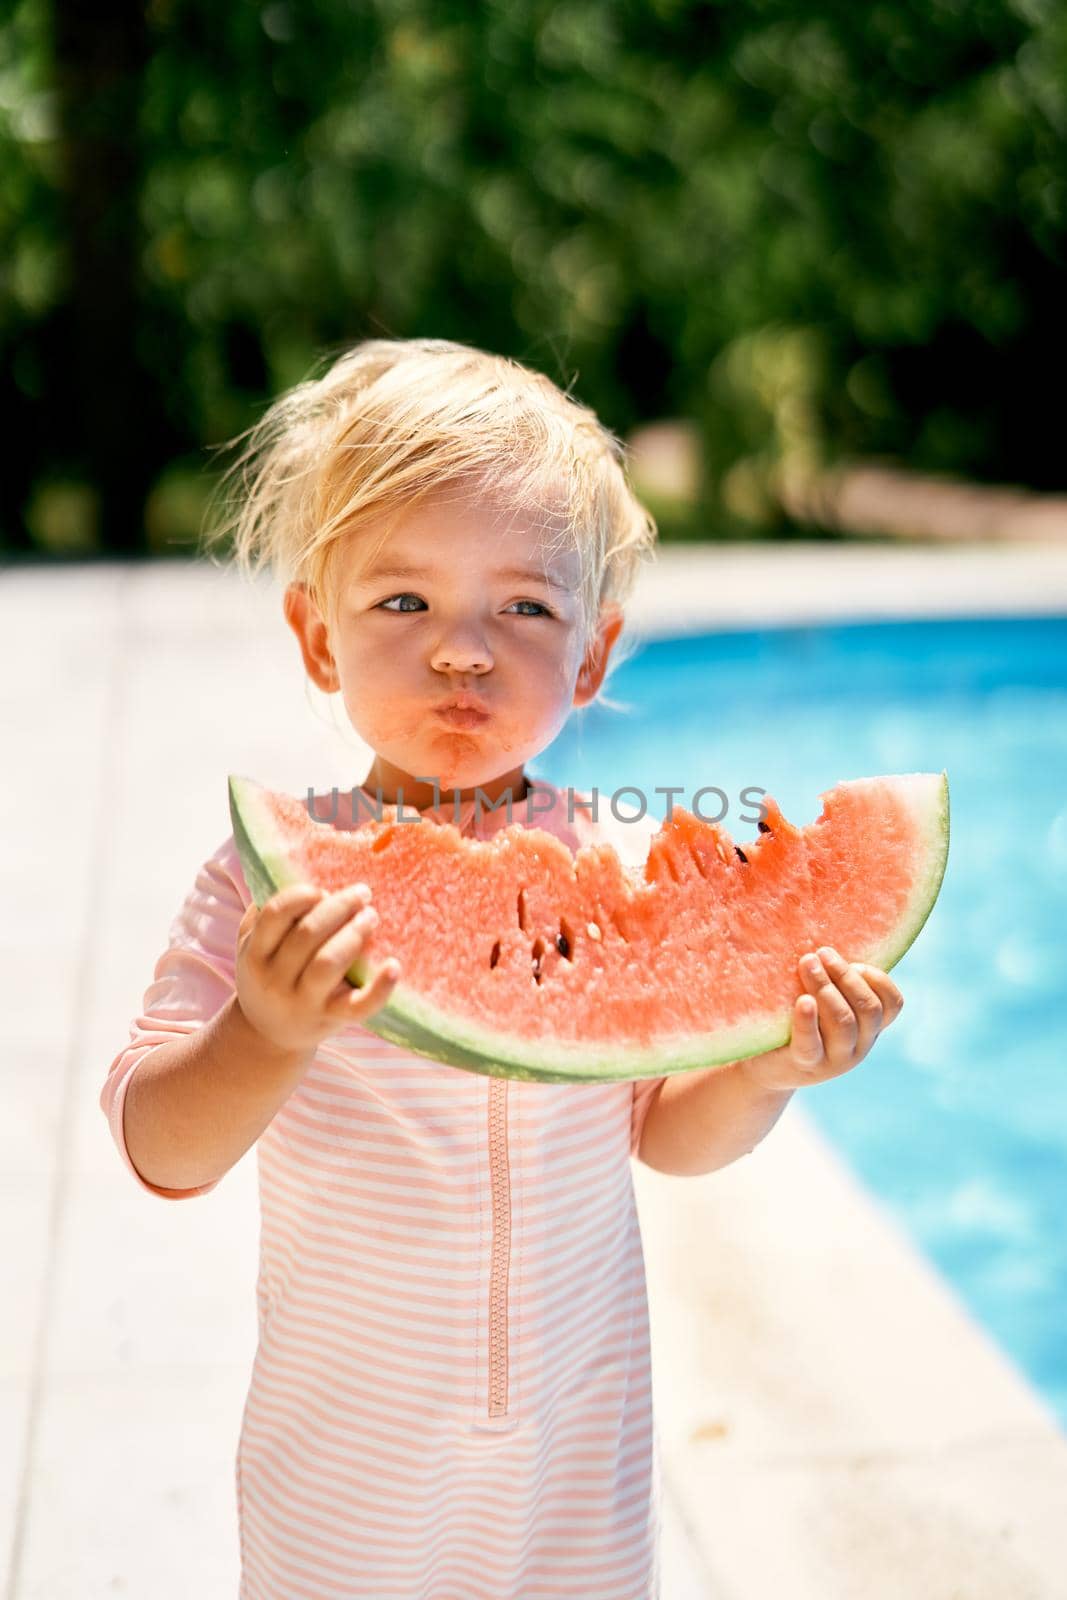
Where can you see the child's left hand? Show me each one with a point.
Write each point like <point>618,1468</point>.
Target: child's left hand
<point>835,1023</point>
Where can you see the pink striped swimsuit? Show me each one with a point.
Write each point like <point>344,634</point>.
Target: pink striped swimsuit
<point>451,1393</point>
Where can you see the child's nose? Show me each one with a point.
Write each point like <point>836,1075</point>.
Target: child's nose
<point>458,655</point>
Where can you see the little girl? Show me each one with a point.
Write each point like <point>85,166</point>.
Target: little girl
<point>451,1397</point>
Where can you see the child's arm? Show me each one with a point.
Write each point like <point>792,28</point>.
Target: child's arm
<point>196,1104</point>
<point>239,1001</point>
<point>700,1121</point>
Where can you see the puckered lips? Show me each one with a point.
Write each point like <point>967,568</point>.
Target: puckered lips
<point>463,710</point>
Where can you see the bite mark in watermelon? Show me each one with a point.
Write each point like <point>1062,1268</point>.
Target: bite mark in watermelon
<point>520,959</point>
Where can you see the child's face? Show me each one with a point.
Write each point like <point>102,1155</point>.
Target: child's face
<point>404,644</point>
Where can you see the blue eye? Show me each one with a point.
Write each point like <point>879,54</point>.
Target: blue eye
<point>385,605</point>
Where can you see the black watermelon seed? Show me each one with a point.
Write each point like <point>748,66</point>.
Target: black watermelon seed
<point>742,854</point>
<point>561,944</point>
<point>763,827</point>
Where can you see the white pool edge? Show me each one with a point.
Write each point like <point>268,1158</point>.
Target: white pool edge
<point>808,582</point>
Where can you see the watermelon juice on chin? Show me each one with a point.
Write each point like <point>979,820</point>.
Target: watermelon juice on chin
<point>574,968</point>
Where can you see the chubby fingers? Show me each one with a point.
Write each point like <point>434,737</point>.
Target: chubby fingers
<point>871,997</point>
<point>805,1040</point>
<point>840,1023</point>
<point>886,990</point>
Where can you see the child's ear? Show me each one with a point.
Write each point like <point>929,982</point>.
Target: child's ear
<point>594,665</point>
<point>303,616</point>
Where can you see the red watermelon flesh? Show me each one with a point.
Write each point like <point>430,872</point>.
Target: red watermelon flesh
<point>521,959</point>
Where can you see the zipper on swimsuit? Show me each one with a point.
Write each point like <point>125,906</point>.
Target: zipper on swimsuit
<point>500,1258</point>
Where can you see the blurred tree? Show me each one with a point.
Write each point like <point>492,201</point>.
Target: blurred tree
<point>109,405</point>
<point>812,227</point>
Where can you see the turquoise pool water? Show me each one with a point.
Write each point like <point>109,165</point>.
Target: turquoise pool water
<point>958,1118</point>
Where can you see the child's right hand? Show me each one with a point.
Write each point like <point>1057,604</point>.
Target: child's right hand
<point>292,956</point>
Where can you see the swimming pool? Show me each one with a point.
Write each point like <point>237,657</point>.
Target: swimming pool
<point>958,1118</point>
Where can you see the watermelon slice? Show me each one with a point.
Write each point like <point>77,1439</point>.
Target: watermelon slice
<point>520,959</point>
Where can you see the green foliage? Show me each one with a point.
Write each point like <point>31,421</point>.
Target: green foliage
<point>816,228</point>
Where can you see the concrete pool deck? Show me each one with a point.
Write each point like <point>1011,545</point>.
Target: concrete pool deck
<point>834,1424</point>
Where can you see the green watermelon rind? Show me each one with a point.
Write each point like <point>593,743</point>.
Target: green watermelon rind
<point>266,871</point>
<point>932,812</point>
<point>410,1022</point>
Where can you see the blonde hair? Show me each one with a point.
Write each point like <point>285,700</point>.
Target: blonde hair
<point>393,420</point>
